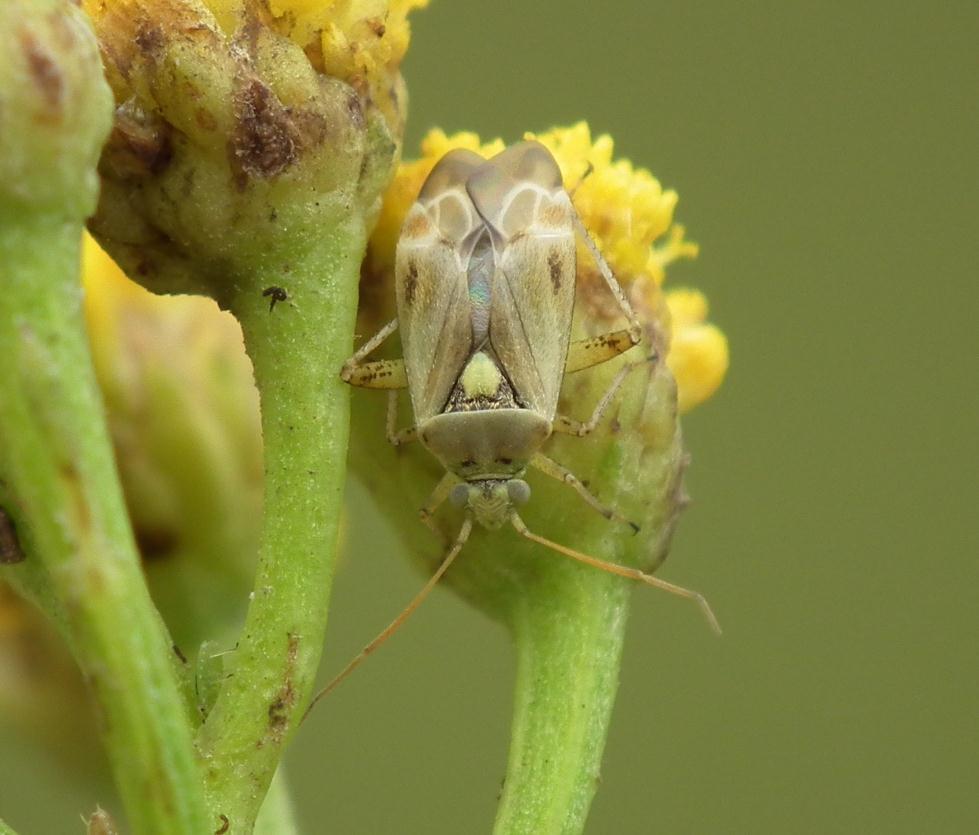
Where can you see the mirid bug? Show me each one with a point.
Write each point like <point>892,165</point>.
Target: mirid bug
<point>485,275</point>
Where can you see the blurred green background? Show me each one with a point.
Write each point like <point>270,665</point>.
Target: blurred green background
<point>826,160</point>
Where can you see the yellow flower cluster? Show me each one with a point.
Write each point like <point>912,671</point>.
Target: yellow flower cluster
<point>626,211</point>
<point>361,42</point>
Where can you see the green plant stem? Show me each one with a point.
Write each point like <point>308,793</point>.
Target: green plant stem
<point>297,350</point>
<point>6,830</point>
<point>568,657</point>
<point>61,488</point>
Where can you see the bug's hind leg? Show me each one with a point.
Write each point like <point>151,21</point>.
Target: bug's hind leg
<point>635,329</point>
<point>584,353</point>
<point>570,426</point>
<point>551,468</point>
<point>397,437</point>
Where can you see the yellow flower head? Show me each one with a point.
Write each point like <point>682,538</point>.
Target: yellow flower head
<point>630,217</point>
<point>360,42</point>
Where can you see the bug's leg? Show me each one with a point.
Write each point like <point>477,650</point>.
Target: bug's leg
<point>396,436</point>
<point>551,468</point>
<point>439,495</point>
<point>584,353</point>
<point>358,373</point>
<point>396,624</point>
<point>620,570</point>
<point>380,374</point>
<point>569,426</point>
<point>589,168</point>
<point>635,330</point>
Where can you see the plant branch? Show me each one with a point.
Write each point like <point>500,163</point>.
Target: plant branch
<point>568,657</point>
<point>297,349</point>
<point>63,492</point>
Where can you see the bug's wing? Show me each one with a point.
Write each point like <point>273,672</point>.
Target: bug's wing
<point>520,196</point>
<point>431,260</point>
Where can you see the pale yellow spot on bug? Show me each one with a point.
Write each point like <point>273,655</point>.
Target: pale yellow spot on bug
<point>481,377</point>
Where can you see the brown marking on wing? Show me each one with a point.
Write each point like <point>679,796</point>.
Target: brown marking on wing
<point>552,214</point>
<point>417,225</point>
<point>411,283</point>
<point>554,265</point>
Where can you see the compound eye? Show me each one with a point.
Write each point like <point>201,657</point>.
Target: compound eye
<point>459,497</point>
<point>518,491</point>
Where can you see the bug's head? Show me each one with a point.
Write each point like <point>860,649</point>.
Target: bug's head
<point>492,500</point>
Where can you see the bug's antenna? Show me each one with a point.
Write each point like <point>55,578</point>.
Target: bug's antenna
<point>396,624</point>
<point>621,570</point>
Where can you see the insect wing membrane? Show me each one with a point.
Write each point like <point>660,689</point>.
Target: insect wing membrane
<point>431,261</point>
<point>520,197</point>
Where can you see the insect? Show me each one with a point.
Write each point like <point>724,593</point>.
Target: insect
<point>485,275</point>
<point>274,294</point>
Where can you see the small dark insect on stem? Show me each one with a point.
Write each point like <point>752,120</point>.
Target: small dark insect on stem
<point>10,551</point>
<point>275,294</point>
<point>225,825</point>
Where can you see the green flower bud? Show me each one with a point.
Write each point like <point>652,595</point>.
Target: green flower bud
<point>54,110</point>
<point>230,148</point>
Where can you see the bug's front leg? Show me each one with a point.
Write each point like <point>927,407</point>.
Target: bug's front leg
<point>436,499</point>
<point>551,468</point>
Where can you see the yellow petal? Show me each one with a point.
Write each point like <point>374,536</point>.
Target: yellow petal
<point>698,355</point>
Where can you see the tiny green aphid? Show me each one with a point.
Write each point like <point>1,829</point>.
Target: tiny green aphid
<point>485,275</point>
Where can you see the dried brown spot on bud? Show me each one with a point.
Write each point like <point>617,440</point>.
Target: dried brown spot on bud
<point>45,75</point>
<point>150,39</point>
<point>265,139</point>
<point>139,143</point>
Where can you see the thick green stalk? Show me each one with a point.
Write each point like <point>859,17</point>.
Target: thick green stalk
<point>568,659</point>
<point>61,488</point>
<point>297,350</point>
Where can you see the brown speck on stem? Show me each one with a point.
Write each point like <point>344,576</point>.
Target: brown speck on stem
<point>10,550</point>
<point>281,707</point>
